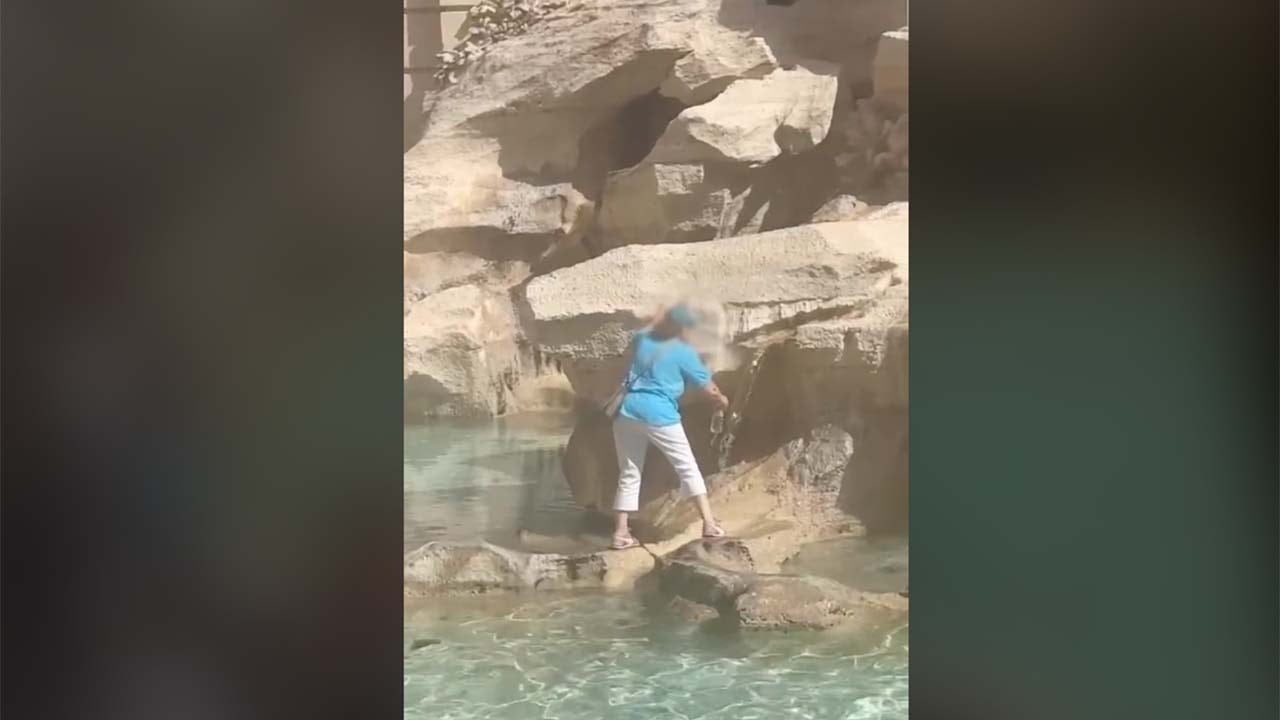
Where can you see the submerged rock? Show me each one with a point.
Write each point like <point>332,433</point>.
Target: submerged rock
<point>689,610</point>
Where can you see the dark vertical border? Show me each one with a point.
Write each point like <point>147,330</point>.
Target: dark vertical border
<point>1093,241</point>
<point>201,373</point>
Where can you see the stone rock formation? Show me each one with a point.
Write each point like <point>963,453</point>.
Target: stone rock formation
<point>615,122</point>
<point>439,568</point>
<point>765,282</point>
<point>822,302</point>
<point>840,207</point>
<point>443,340</point>
<point>482,567</point>
<point>702,582</point>
<point>873,157</point>
<point>462,356</point>
<point>707,572</point>
<point>753,120</point>
<point>719,575</point>
<point>785,602</point>
<point>751,154</point>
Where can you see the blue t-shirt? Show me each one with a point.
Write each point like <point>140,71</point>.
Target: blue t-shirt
<point>654,397</point>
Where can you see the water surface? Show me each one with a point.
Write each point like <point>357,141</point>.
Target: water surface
<point>602,656</point>
<point>588,656</point>
<point>876,564</point>
<point>467,480</point>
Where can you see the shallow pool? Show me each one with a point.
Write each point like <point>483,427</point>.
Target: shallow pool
<point>593,656</point>
<point>485,479</point>
<point>604,656</point>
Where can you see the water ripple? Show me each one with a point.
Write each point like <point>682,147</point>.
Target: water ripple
<point>581,657</point>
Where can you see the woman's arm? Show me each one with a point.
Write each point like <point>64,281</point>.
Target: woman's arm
<point>656,317</point>
<point>697,376</point>
<point>712,392</point>
<point>709,392</point>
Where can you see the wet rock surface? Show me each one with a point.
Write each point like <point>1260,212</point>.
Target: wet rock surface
<point>720,575</point>
<point>482,567</point>
<point>811,603</point>
<point>709,572</point>
<point>442,568</point>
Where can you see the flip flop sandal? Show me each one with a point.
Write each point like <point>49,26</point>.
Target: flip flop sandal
<point>624,543</point>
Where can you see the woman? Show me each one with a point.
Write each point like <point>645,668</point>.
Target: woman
<point>662,365</point>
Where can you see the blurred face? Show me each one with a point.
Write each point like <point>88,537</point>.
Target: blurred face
<point>679,319</point>
<point>669,328</point>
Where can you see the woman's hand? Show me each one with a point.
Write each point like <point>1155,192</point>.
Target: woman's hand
<point>657,316</point>
<point>718,398</point>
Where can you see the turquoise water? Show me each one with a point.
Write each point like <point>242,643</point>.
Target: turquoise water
<point>485,479</point>
<point>602,656</point>
<point>876,564</point>
<point>588,656</point>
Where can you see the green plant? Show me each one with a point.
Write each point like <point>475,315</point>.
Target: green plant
<point>489,21</point>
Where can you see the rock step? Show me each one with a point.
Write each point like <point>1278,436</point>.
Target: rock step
<point>720,576</point>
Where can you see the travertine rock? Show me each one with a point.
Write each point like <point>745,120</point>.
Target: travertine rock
<point>720,575</point>
<point>427,273</point>
<point>654,203</point>
<point>832,306</point>
<point>438,567</point>
<point>723,56</point>
<point>839,208</point>
<point>838,31</point>
<point>754,120</point>
<point>462,211</point>
<point>817,465</point>
<point>708,572</point>
<point>875,155</point>
<point>767,281</point>
<point>508,179</point>
<point>458,344</point>
<point>785,602</point>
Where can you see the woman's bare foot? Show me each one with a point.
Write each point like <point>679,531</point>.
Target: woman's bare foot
<point>622,542</point>
<point>712,530</point>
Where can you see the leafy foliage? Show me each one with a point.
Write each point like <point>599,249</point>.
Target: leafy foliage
<point>488,22</point>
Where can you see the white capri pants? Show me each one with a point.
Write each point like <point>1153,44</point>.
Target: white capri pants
<point>631,439</point>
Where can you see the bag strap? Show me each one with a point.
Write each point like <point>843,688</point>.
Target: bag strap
<point>653,360</point>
